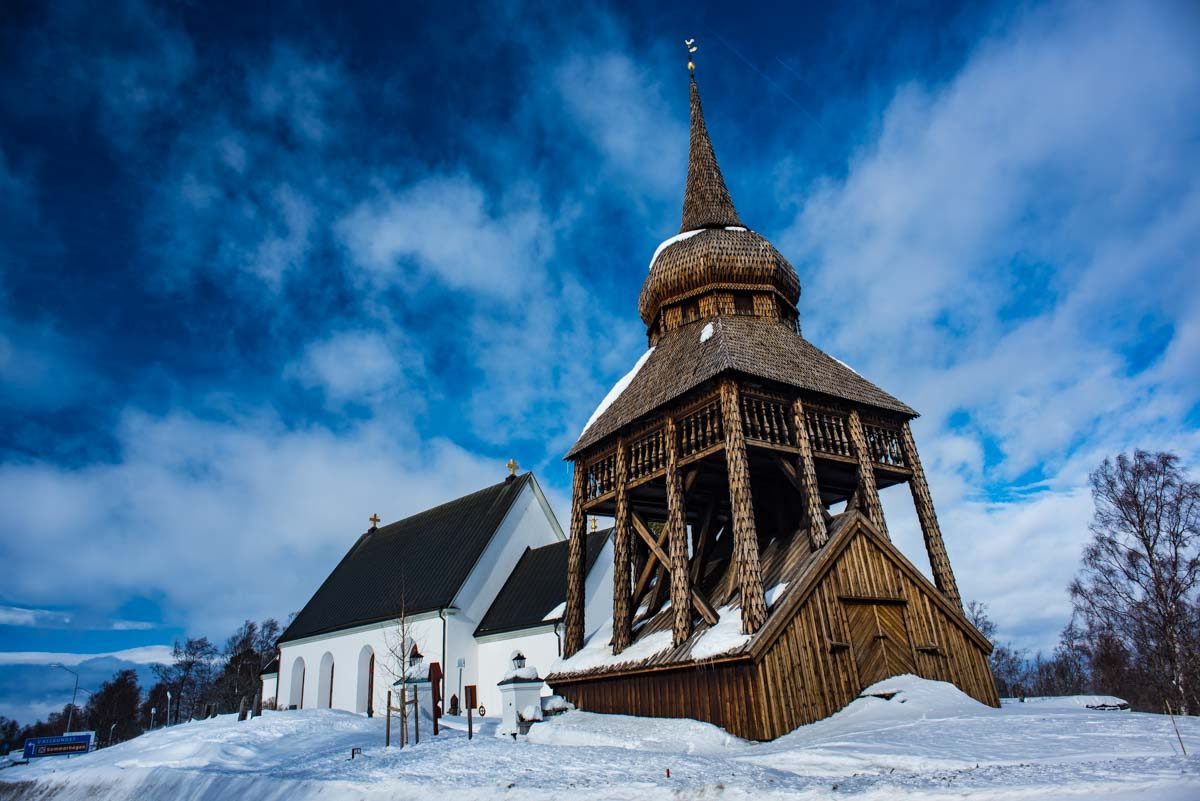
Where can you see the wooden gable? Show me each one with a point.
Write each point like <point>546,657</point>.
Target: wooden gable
<point>863,613</point>
<point>858,613</point>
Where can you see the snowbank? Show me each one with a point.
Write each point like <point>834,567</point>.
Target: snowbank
<point>927,740</point>
<point>1072,702</point>
<point>658,735</point>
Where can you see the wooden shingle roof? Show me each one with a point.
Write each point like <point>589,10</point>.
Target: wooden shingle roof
<point>706,200</point>
<point>754,346</point>
<point>418,563</point>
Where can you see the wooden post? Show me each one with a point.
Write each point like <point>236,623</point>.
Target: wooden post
<point>939,561</point>
<point>403,716</point>
<point>741,501</point>
<point>681,604</point>
<point>416,702</point>
<point>622,614</point>
<point>471,700</point>
<point>387,724</point>
<point>813,509</point>
<point>576,557</point>
<point>867,493</point>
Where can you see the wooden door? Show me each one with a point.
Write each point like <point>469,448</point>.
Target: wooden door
<point>880,640</point>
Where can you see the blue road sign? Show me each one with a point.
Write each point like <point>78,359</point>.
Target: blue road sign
<point>77,743</point>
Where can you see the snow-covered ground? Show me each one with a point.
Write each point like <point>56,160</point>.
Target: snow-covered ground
<point>929,741</point>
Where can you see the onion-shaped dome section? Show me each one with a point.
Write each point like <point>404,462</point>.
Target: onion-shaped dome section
<point>716,258</point>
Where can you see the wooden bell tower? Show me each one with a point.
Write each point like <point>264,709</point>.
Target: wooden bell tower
<point>723,455</point>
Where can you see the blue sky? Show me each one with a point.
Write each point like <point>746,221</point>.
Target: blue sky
<point>264,272</point>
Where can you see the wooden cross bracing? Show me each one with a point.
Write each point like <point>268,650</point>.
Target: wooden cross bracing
<point>698,600</point>
<point>814,455</point>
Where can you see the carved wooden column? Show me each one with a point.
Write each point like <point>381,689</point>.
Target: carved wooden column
<point>681,596</point>
<point>741,501</point>
<point>576,558</point>
<point>867,492</point>
<point>813,509</point>
<point>939,561</point>
<point>622,617</point>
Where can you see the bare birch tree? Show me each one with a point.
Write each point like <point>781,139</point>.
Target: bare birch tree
<point>1140,577</point>
<point>399,642</point>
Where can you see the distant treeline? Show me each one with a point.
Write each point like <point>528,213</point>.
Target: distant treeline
<point>199,678</point>
<point>1135,631</point>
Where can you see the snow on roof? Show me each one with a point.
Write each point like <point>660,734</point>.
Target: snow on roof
<point>616,391</point>
<point>557,612</point>
<point>724,637</point>
<point>706,332</point>
<point>666,243</point>
<point>597,653</point>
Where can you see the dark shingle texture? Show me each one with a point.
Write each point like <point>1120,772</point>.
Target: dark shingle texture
<point>706,200</point>
<point>536,586</point>
<point>418,563</point>
<point>756,346</point>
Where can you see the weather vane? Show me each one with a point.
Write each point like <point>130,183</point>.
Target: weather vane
<point>690,44</point>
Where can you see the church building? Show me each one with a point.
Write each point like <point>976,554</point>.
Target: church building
<point>472,580</point>
<point>755,584</point>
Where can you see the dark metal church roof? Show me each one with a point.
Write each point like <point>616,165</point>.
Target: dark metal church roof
<point>536,586</point>
<point>418,563</point>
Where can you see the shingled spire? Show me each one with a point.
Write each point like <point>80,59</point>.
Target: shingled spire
<point>706,200</point>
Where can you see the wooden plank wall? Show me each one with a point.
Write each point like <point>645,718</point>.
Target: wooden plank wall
<point>811,668</point>
<point>810,671</point>
<point>726,695</point>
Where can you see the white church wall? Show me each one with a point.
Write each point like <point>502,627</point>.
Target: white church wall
<point>527,525</point>
<point>304,683</point>
<point>598,590</point>
<point>269,681</point>
<point>540,647</point>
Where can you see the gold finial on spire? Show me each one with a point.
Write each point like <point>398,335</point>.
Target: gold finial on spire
<point>374,518</point>
<point>513,467</point>
<point>594,524</point>
<point>690,44</point>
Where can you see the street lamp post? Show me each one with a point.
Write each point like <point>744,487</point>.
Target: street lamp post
<point>74,693</point>
<point>110,733</point>
<point>168,723</point>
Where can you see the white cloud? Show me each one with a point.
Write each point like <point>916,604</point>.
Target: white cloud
<point>450,230</point>
<point>619,105</point>
<point>227,520</point>
<point>1006,239</point>
<point>144,655</point>
<point>20,616</point>
<point>362,366</point>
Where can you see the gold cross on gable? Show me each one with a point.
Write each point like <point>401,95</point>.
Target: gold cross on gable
<point>374,521</point>
<point>513,467</point>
